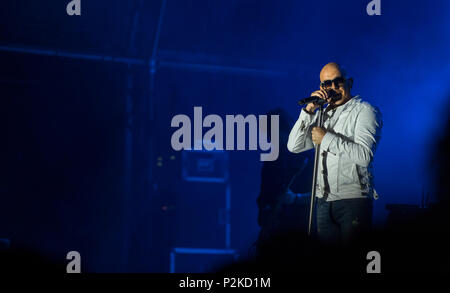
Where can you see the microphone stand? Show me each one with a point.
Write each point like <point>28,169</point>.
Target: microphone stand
<point>319,123</point>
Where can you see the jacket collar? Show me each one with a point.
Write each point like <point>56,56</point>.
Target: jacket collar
<point>349,105</point>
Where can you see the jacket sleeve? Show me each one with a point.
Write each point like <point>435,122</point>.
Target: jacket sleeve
<point>367,136</point>
<point>300,136</point>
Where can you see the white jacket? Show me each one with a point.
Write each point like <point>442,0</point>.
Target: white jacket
<point>346,151</point>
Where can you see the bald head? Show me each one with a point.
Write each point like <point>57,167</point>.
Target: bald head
<point>336,78</point>
<point>331,71</point>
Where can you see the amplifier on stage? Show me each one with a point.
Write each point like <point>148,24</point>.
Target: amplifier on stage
<point>203,201</point>
<point>205,166</point>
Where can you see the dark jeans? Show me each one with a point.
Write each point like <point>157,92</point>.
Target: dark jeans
<point>340,222</point>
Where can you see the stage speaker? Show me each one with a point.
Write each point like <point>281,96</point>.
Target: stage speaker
<point>202,206</point>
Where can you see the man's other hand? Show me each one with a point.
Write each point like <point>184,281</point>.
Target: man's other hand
<point>317,134</point>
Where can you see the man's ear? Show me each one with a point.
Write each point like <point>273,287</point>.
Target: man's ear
<point>350,82</point>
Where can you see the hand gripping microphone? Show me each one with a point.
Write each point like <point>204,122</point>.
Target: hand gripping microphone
<point>333,95</point>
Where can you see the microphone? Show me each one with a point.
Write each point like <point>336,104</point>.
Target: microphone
<point>318,100</point>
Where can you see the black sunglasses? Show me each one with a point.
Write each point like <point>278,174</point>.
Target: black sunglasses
<point>338,82</point>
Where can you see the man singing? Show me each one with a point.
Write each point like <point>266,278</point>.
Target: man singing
<point>347,142</point>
